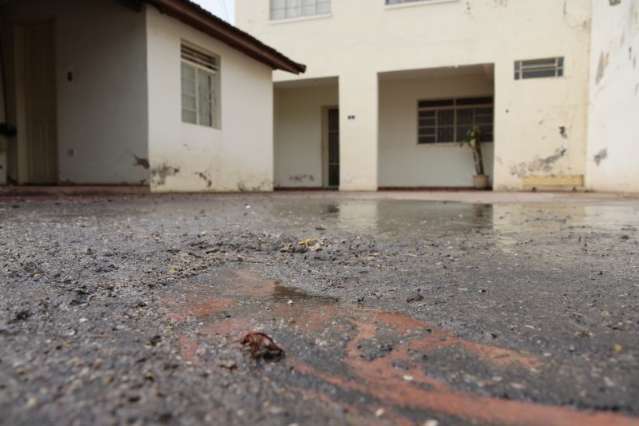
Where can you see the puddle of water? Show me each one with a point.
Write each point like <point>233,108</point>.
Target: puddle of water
<point>294,295</point>
<point>411,220</point>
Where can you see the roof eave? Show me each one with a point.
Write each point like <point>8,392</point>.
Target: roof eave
<point>196,17</point>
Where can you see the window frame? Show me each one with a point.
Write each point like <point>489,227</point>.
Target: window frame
<point>413,3</point>
<point>455,105</point>
<point>215,104</point>
<point>301,16</point>
<point>537,65</point>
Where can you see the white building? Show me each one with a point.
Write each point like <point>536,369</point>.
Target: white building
<point>151,92</point>
<point>392,86</point>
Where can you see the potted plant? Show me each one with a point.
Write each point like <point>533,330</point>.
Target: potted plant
<point>473,141</point>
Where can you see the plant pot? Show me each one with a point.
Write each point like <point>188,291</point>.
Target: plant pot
<point>481,182</point>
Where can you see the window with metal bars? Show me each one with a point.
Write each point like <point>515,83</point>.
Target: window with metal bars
<point>289,9</point>
<point>200,87</point>
<point>539,68</point>
<point>450,120</point>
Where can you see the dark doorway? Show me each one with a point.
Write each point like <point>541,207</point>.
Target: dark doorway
<point>333,148</point>
<point>36,62</point>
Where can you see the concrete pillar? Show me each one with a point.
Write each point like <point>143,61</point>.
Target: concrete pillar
<point>358,102</point>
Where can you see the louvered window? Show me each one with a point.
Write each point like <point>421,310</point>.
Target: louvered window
<point>450,120</point>
<point>289,9</point>
<point>200,87</point>
<point>539,68</point>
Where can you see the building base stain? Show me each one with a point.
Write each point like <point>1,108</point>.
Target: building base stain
<point>161,173</point>
<point>206,178</point>
<point>545,164</point>
<point>601,156</point>
<point>141,162</point>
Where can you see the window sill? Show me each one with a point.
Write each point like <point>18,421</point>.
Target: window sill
<point>201,126</point>
<point>417,4</point>
<point>300,19</point>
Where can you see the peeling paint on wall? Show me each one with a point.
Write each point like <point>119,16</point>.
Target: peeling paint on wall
<point>601,156</point>
<point>604,59</point>
<point>262,186</point>
<point>544,164</point>
<point>302,178</point>
<point>563,132</point>
<point>141,162</point>
<point>206,178</point>
<point>614,97</point>
<point>159,174</point>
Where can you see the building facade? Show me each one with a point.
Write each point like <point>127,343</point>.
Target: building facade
<point>157,93</point>
<point>393,86</point>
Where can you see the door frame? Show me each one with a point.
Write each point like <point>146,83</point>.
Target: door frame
<point>325,146</point>
<point>23,168</point>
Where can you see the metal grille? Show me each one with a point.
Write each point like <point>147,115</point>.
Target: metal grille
<point>539,68</point>
<point>333,148</point>
<point>199,58</point>
<point>450,120</point>
<point>289,9</point>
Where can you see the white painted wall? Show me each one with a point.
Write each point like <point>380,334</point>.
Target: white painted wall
<point>613,146</point>
<point>300,135</point>
<point>405,163</point>
<point>363,38</point>
<point>185,157</point>
<point>102,113</point>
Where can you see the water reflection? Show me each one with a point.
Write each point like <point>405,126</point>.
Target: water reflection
<point>426,219</point>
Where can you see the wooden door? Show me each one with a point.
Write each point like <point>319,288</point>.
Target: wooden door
<point>37,62</point>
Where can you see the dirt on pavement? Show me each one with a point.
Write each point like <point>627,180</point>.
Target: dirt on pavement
<point>389,310</point>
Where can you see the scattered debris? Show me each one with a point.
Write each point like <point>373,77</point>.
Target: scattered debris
<point>155,340</point>
<point>227,364</point>
<point>262,346</point>
<point>311,244</point>
<point>415,298</point>
<point>21,316</point>
<point>303,246</point>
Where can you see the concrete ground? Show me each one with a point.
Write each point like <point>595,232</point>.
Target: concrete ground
<point>392,308</point>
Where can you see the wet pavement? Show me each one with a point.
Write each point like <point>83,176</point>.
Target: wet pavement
<point>390,310</point>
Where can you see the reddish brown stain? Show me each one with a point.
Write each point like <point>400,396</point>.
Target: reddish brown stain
<point>245,283</point>
<point>231,328</point>
<point>188,349</point>
<point>198,307</point>
<point>249,301</point>
<point>439,339</point>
